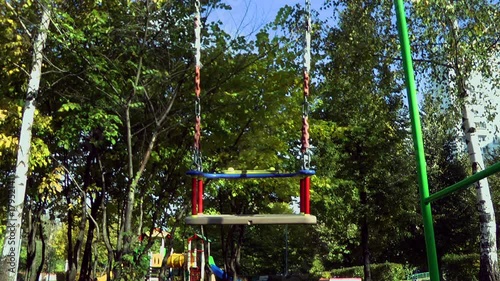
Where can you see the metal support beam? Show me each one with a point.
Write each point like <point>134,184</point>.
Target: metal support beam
<point>417,140</point>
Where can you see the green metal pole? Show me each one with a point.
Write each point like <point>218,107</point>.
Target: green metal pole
<point>464,183</point>
<point>417,141</point>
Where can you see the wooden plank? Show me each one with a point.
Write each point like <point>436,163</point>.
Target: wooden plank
<point>251,219</point>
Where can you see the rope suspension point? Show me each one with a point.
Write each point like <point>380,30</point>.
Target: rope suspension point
<point>197,32</point>
<point>305,110</point>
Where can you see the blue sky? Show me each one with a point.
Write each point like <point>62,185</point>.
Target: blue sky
<point>248,16</point>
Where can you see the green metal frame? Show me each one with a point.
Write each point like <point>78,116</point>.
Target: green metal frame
<point>425,198</point>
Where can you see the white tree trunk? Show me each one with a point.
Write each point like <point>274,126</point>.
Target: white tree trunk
<point>487,223</point>
<point>489,257</point>
<point>12,244</point>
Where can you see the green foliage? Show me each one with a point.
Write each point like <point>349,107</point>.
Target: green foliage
<point>456,228</point>
<point>263,252</point>
<point>317,267</point>
<point>362,140</point>
<point>457,267</point>
<point>355,271</point>
<point>137,269</point>
<point>389,271</point>
<point>464,49</point>
<point>13,53</point>
<point>380,272</point>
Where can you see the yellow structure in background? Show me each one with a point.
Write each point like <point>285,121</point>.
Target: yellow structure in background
<point>176,260</point>
<point>156,260</point>
<point>103,278</point>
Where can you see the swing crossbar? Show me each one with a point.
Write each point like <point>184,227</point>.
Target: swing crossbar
<point>249,174</point>
<point>202,219</point>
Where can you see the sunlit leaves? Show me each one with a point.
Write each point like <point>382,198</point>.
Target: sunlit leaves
<point>69,107</point>
<point>7,143</point>
<point>52,182</point>
<point>10,121</point>
<point>468,45</point>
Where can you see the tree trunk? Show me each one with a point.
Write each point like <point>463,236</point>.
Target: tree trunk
<point>489,259</point>
<point>364,238</point>
<point>9,260</point>
<point>75,251</point>
<point>30,261</point>
<point>87,253</point>
<point>237,254</point>
<point>71,271</point>
<point>105,233</point>
<point>105,236</point>
<point>124,236</point>
<point>86,267</point>
<point>44,247</point>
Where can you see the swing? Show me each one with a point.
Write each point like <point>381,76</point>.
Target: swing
<point>197,216</point>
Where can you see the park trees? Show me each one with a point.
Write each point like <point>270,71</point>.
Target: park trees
<point>118,93</point>
<point>120,99</point>
<point>360,99</point>
<point>112,95</point>
<point>121,131</point>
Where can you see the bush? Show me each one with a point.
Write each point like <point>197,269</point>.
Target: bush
<point>380,272</point>
<point>355,271</point>
<point>388,272</point>
<point>460,267</point>
<point>61,276</point>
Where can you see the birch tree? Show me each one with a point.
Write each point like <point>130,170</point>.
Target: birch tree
<point>488,246</point>
<point>12,243</point>
<point>457,38</point>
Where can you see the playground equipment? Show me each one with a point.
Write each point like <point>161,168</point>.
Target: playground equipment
<point>156,259</point>
<point>197,216</point>
<point>216,270</point>
<point>176,264</point>
<point>196,257</point>
<point>221,274</point>
<point>190,265</point>
<point>425,198</point>
<point>176,260</point>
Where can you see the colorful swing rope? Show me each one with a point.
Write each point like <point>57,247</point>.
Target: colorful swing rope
<point>197,89</point>
<point>305,183</point>
<point>197,173</point>
<point>197,183</point>
<point>305,109</point>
